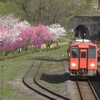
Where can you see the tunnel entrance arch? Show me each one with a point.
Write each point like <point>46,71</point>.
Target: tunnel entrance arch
<point>82,31</point>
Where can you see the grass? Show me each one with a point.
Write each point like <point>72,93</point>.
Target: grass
<point>51,76</point>
<point>13,53</point>
<point>14,69</point>
<point>63,40</point>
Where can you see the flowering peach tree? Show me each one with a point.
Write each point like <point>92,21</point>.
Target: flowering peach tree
<point>17,34</point>
<point>37,35</point>
<point>57,30</point>
<point>10,29</point>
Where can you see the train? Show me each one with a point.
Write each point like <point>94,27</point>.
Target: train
<point>82,58</point>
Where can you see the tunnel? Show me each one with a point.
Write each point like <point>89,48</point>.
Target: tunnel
<point>82,31</point>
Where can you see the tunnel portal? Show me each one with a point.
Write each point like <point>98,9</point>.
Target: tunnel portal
<point>86,27</point>
<point>82,31</point>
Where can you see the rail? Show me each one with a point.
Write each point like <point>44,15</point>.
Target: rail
<point>41,86</point>
<point>81,93</point>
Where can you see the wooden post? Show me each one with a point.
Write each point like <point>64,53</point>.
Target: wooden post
<point>2,79</point>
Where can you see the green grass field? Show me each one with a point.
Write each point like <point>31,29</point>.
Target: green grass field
<point>13,71</point>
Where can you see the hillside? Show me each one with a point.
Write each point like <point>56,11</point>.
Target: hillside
<point>41,11</point>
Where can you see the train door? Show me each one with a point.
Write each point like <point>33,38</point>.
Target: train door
<point>83,59</point>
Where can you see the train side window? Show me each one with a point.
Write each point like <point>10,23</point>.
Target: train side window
<point>92,52</point>
<point>74,52</point>
<point>83,55</point>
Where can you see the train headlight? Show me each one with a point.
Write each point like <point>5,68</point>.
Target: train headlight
<point>73,64</point>
<point>92,65</point>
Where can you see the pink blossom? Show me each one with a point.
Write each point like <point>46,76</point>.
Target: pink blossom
<point>38,42</point>
<point>28,33</point>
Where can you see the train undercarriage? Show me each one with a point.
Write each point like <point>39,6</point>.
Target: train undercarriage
<point>83,72</point>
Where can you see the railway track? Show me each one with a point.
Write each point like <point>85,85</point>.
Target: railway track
<point>86,90</point>
<point>41,90</point>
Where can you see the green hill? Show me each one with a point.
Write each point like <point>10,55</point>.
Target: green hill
<point>49,11</point>
<point>12,8</point>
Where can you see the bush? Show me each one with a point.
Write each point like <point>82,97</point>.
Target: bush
<point>33,50</point>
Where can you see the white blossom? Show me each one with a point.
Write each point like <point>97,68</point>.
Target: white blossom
<point>57,30</point>
<point>10,28</point>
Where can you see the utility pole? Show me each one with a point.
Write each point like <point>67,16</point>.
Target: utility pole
<point>2,79</point>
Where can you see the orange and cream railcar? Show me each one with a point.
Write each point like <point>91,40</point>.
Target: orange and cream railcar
<point>83,58</point>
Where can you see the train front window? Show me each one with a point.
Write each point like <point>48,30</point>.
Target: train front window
<point>92,52</point>
<point>74,52</point>
<point>83,55</point>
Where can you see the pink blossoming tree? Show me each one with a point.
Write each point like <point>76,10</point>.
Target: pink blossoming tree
<point>16,34</point>
<point>10,29</point>
<point>44,35</point>
<point>37,35</point>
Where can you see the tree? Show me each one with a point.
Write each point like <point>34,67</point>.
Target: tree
<point>44,35</point>
<point>57,30</point>
<point>8,21</point>
<point>10,29</point>
<point>37,35</point>
<point>18,33</point>
<point>45,11</point>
